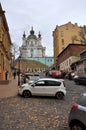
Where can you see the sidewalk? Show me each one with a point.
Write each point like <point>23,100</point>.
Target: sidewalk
<point>10,89</point>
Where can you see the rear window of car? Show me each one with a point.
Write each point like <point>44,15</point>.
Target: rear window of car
<point>82,101</point>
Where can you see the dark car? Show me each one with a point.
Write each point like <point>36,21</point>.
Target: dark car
<point>77,115</point>
<point>80,80</point>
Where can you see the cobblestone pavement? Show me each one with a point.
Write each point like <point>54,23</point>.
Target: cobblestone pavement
<point>38,113</point>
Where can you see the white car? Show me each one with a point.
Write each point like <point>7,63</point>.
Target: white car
<point>44,87</point>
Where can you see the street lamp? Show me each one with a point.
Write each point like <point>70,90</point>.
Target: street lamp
<point>19,70</point>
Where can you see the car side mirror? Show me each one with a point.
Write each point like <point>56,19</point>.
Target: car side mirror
<point>33,85</point>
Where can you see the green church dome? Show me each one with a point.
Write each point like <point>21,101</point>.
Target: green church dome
<point>32,35</point>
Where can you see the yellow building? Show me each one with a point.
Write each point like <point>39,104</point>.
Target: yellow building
<point>5,45</point>
<point>64,35</point>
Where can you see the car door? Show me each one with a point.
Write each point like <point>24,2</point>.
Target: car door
<point>52,87</point>
<point>39,88</point>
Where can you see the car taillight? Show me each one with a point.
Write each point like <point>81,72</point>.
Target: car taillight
<point>74,106</point>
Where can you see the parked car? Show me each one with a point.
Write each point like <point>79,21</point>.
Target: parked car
<point>33,78</point>
<point>44,87</point>
<point>80,80</point>
<point>55,73</point>
<point>77,115</point>
<point>29,78</point>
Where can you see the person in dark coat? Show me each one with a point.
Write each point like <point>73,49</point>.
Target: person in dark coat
<point>14,74</point>
<point>6,75</point>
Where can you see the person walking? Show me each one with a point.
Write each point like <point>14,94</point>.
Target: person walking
<point>14,74</point>
<point>6,75</point>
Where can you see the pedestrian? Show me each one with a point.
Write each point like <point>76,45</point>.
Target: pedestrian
<point>24,79</point>
<point>6,75</point>
<point>14,74</point>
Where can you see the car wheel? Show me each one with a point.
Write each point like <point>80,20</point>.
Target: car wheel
<point>77,127</point>
<point>59,95</point>
<point>26,94</point>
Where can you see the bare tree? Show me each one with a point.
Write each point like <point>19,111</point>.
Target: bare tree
<point>82,35</point>
<point>74,38</point>
<point>15,50</point>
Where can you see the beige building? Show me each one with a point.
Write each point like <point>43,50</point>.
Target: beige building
<point>5,45</point>
<point>64,35</point>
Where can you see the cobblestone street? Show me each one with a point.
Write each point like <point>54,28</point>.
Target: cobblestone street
<point>38,113</point>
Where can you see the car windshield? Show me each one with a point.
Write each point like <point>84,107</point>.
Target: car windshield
<point>34,81</point>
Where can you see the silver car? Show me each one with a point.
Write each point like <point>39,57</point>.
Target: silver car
<point>77,116</point>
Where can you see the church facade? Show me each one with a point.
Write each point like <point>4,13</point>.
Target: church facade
<point>31,46</point>
<point>32,49</point>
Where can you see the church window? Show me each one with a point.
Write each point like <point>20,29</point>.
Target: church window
<point>48,60</point>
<point>31,52</point>
<point>31,42</point>
<point>35,42</point>
<point>27,42</point>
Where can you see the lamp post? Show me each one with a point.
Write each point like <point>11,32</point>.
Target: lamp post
<point>19,70</point>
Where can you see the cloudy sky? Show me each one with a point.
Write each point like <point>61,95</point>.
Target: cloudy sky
<point>43,15</point>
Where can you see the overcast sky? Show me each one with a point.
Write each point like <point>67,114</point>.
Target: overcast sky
<point>43,15</point>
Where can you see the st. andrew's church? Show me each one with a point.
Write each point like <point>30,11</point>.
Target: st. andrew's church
<point>32,49</point>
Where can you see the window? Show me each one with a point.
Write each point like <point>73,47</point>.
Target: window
<point>82,101</point>
<point>73,26</point>
<point>53,83</point>
<point>48,83</point>
<point>35,42</point>
<point>62,33</point>
<point>31,42</point>
<point>66,27</point>
<point>48,60</point>
<point>40,83</point>
<point>62,41</point>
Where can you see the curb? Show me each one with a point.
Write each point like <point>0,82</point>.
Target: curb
<point>5,98</point>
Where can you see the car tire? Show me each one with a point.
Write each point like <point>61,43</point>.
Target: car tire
<point>26,94</point>
<point>59,95</point>
<point>77,126</point>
